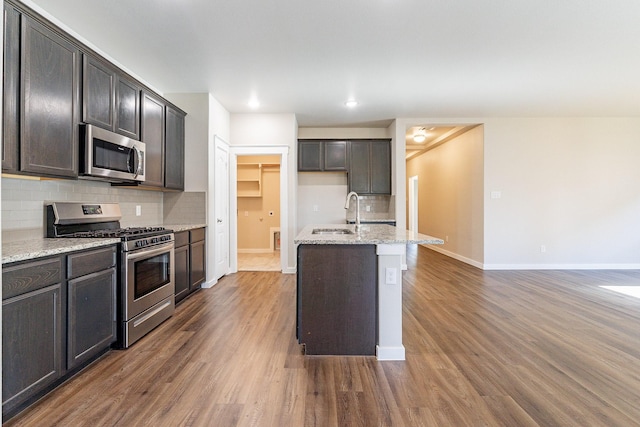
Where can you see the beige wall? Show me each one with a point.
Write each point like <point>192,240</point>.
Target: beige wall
<point>450,185</point>
<point>570,184</point>
<point>254,221</point>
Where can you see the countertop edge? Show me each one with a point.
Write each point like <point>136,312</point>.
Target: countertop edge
<point>369,234</point>
<point>40,248</point>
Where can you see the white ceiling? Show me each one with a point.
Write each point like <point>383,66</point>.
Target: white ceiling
<point>398,58</point>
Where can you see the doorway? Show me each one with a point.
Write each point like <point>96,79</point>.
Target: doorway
<point>258,212</point>
<point>282,152</point>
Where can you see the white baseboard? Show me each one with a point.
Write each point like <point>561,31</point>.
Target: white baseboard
<point>209,284</point>
<point>455,256</point>
<point>561,267</point>
<point>533,266</point>
<point>390,353</point>
<point>289,270</point>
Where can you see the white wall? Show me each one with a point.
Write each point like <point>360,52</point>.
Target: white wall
<point>321,197</point>
<point>570,184</point>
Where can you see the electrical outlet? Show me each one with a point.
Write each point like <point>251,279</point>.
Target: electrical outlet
<point>368,208</point>
<point>543,248</point>
<point>315,208</point>
<point>138,210</point>
<point>246,213</point>
<point>391,276</point>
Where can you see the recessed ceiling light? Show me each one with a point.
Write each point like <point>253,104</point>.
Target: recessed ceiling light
<point>420,136</point>
<point>254,103</point>
<point>350,103</point>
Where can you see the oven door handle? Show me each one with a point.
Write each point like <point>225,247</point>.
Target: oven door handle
<point>147,253</point>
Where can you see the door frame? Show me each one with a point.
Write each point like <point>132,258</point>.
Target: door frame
<point>257,150</point>
<point>413,204</point>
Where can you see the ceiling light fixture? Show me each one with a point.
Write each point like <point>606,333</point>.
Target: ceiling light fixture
<point>254,103</point>
<point>420,136</point>
<point>351,103</point>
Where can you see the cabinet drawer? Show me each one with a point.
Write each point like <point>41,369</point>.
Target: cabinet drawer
<point>84,263</point>
<point>197,235</point>
<point>181,238</point>
<point>19,279</point>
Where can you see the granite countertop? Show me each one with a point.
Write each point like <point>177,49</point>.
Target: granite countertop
<point>183,227</point>
<point>369,234</point>
<point>38,248</point>
<point>370,220</point>
<point>32,248</point>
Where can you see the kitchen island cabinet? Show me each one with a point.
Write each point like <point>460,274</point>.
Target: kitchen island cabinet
<point>349,288</point>
<point>337,299</point>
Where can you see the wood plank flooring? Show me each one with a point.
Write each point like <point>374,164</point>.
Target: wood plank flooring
<point>526,348</point>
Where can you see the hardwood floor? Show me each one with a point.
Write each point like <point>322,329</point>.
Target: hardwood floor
<point>501,348</point>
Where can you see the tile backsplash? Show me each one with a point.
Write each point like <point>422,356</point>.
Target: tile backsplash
<point>380,207</point>
<point>23,201</point>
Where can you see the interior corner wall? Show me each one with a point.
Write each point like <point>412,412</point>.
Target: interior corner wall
<point>196,138</point>
<point>450,186</point>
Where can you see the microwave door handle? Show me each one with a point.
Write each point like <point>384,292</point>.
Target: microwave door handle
<point>138,162</point>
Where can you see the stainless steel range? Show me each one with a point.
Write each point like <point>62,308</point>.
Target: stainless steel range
<point>147,285</point>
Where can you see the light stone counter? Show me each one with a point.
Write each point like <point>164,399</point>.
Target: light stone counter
<point>368,234</point>
<point>183,227</point>
<point>38,248</point>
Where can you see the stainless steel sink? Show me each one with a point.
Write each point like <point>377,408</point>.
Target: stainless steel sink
<point>331,231</point>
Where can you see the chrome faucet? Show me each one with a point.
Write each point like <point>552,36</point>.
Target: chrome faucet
<point>346,206</point>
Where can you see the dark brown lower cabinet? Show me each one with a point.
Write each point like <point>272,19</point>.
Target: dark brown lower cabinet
<point>190,262</point>
<point>32,351</point>
<point>337,299</point>
<point>58,315</point>
<point>181,262</point>
<point>92,316</point>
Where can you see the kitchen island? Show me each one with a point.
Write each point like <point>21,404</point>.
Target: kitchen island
<point>350,288</point>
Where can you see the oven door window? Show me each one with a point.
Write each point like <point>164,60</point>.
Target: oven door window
<point>151,274</point>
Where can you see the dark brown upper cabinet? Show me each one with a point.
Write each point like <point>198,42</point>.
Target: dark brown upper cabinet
<point>11,98</point>
<point>153,135</point>
<point>49,102</point>
<point>370,167</point>
<point>174,149</point>
<point>98,93</point>
<point>316,155</point>
<point>52,83</point>
<point>127,107</point>
<point>110,101</point>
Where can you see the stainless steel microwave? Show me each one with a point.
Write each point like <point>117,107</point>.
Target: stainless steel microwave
<point>111,157</point>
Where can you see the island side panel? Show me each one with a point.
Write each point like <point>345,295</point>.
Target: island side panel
<point>337,299</point>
